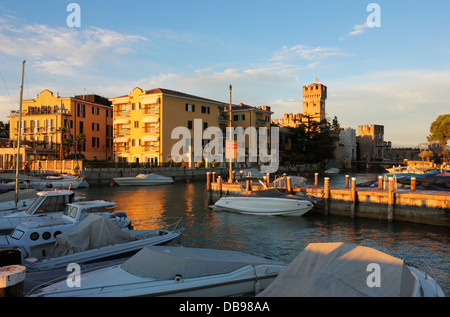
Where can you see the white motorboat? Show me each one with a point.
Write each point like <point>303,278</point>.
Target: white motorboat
<point>332,170</point>
<point>144,180</point>
<point>345,270</point>
<point>61,182</point>
<point>93,243</point>
<point>47,204</point>
<point>174,271</point>
<point>269,202</point>
<point>36,236</point>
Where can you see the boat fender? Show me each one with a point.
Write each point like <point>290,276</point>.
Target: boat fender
<point>121,214</point>
<point>178,278</point>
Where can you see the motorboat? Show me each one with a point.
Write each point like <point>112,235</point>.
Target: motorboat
<point>332,170</point>
<point>47,204</point>
<point>412,170</point>
<point>144,180</point>
<point>36,236</point>
<point>269,202</point>
<point>61,182</point>
<point>174,271</point>
<point>339,269</point>
<point>93,243</point>
<point>296,181</point>
<point>24,199</point>
<point>438,182</point>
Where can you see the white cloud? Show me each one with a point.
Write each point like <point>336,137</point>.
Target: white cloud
<point>59,49</point>
<point>305,52</point>
<point>359,29</point>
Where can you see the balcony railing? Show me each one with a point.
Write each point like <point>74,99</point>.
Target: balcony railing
<point>150,130</point>
<point>121,113</point>
<point>121,131</point>
<point>122,149</point>
<point>151,148</point>
<point>151,110</point>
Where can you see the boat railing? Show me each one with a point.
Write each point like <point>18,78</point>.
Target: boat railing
<point>427,272</point>
<point>385,181</point>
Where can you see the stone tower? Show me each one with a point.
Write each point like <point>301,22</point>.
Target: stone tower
<point>314,97</point>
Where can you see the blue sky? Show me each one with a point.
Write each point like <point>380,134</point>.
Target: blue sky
<point>396,75</point>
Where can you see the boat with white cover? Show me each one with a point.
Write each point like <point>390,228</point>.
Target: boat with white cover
<point>60,182</point>
<point>345,270</point>
<point>144,180</point>
<point>36,236</point>
<point>49,204</point>
<point>268,202</point>
<point>94,242</point>
<point>174,271</point>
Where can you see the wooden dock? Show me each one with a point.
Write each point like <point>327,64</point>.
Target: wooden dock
<point>384,202</point>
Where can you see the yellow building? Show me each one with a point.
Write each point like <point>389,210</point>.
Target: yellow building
<point>145,119</point>
<point>46,120</point>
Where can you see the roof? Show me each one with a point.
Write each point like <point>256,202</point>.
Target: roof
<point>174,93</point>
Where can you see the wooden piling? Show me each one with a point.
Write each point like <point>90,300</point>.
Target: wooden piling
<point>248,186</point>
<point>267,179</point>
<point>233,176</point>
<point>390,213</point>
<point>219,183</point>
<point>326,194</point>
<point>284,180</point>
<point>208,181</point>
<point>242,174</point>
<point>413,184</point>
<point>353,198</point>
<point>289,186</point>
<point>347,181</point>
<point>316,179</point>
<point>380,182</point>
<point>213,177</point>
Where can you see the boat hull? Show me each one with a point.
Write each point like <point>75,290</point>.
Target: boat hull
<point>131,181</point>
<point>268,206</point>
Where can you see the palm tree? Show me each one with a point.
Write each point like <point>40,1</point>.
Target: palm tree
<point>81,140</point>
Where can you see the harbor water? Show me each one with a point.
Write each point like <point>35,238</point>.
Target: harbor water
<point>281,238</point>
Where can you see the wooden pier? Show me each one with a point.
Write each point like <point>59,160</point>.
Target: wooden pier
<point>384,202</point>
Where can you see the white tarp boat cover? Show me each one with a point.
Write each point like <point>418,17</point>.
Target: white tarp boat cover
<point>162,262</point>
<point>93,232</point>
<point>341,270</point>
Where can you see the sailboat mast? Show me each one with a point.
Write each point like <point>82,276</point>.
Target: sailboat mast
<point>19,136</point>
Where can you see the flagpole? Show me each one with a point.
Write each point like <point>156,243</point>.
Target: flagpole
<point>230,163</point>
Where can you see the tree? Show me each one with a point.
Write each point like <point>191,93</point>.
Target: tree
<point>81,140</point>
<point>440,130</point>
<point>335,126</point>
<point>426,154</point>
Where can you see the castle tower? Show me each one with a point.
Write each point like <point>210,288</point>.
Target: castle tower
<point>314,97</point>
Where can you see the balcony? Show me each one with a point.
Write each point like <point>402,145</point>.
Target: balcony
<point>121,131</point>
<point>154,130</point>
<point>122,149</point>
<point>151,148</point>
<point>151,110</point>
<point>121,113</point>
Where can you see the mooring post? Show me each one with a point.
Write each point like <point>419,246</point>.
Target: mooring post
<point>347,181</point>
<point>11,280</point>
<point>233,176</point>
<point>316,179</point>
<point>390,215</point>
<point>268,179</point>
<point>380,182</point>
<point>213,177</point>
<point>289,186</point>
<point>248,186</point>
<point>284,180</point>
<point>219,183</point>
<point>208,181</point>
<point>413,184</point>
<point>242,174</point>
<point>326,194</point>
<point>353,198</point>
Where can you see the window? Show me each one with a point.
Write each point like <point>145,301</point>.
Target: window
<point>205,109</point>
<point>95,110</point>
<point>95,142</point>
<point>136,124</point>
<point>205,125</point>
<point>81,127</point>
<point>190,108</point>
<point>189,125</point>
<point>81,110</point>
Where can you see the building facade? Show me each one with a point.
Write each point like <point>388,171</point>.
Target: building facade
<point>50,122</point>
<point>144,122</point>
<point>370,142</point>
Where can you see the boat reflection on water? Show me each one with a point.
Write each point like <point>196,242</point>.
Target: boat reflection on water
<point>281,238</point>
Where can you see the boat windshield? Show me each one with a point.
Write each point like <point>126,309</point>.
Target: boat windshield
<point>71,211</point>
<point>45,204</point>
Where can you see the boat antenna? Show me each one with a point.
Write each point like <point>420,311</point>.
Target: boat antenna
<point>18,137</point>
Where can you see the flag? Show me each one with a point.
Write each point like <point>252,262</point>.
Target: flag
<point>317,79</point>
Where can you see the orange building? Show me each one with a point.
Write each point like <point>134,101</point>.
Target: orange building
<point>47,118</point>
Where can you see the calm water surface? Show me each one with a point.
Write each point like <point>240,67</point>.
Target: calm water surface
<point>281,238</point>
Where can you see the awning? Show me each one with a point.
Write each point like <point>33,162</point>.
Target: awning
<point>150,138</point>
<point>122,121</point>
<point>150,119</point>
<point>121,140</point>
<point>150,101</point>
